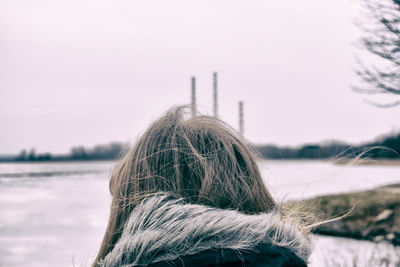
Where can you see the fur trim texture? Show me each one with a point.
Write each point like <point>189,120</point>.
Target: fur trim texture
<point>162,229</point>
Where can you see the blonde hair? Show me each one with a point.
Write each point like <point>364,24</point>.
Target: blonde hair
<point>199,159</point>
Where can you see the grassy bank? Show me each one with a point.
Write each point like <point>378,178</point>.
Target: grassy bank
<point>375,214</point>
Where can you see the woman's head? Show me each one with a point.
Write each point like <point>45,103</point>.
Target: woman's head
<point>199,159</point>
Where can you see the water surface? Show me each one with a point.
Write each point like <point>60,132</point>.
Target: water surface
<point>55,214</point>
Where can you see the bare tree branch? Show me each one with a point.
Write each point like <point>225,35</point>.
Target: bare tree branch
<point>383,41</point>
<point>386,105</point>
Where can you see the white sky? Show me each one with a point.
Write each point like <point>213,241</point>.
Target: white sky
<point>80,72</point>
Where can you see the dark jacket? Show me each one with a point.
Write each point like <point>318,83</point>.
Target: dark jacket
<point>166,232</point>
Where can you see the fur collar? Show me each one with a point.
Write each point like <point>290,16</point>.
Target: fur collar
<point>161,228</point>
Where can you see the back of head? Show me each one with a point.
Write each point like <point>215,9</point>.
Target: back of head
<point>198,159</point>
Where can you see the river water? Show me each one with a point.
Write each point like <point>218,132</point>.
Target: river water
<point>54,214</point>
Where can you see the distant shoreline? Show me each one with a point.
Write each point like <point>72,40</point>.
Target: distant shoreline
<point>55,160</point>
<point>340,161</point>
<point>368,162</point>
<point>383,151</point>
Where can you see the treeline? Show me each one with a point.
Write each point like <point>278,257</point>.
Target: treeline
<point>305,152</point>
<point>387,147</point>
<point>100,152</point>
<point>32,156</point>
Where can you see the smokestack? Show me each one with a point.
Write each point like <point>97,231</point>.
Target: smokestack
<point>215,95</point>
<point>193,96</point>
<point>241,127</point>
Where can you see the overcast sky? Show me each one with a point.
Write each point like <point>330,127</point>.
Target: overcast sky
<point>80,72</point>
